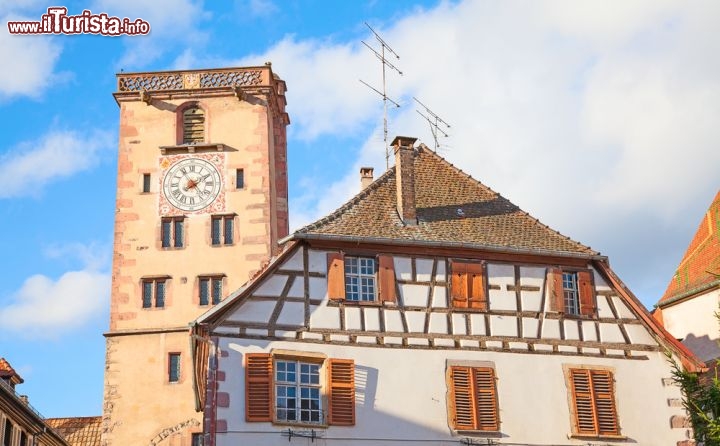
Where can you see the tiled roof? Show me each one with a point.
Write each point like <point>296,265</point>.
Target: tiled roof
<point>700,266</point>
<point>6,371</point>
<point>78,431</point>
<point>452,208</point>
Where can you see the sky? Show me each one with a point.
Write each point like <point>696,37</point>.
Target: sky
<point>601,119</point>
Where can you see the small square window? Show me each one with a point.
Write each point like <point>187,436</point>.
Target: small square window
<point>172,232</point>
<point>197,440</point>
<point>153,293</point>
<point>210,290</point>
<point>239,178</point>
<point>221,231</point>
<point>570,293</point>
<point>146,182</point>
<point>173,367</point>
<point>360,279</point>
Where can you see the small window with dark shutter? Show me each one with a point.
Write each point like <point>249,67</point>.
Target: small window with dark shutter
<point>592,395</point>
<point>571,292</point>
<point>468,285</point>
<point>239,178</point>
<point>146,183</point>
<point>472,399</point>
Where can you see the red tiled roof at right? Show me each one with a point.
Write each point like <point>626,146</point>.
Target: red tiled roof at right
<point>700,266</point>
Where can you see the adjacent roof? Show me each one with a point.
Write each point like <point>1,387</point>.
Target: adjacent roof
<point>452,208</point>
<point>699,268</point>
<point>7,372</point>
<point>78,431</point>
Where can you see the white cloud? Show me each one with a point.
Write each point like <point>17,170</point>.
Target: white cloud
<point>32,58</point>
<point>30,166</point>
<point>600,120</point>
<point>173,24</point>
<point>46,308</point>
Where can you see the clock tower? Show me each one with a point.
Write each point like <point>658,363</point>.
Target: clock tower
<point>201,204</point>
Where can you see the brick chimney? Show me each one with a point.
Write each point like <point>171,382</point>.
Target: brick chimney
<point>366,177</point>
<point>405,178</point>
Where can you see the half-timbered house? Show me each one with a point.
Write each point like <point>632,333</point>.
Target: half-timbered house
<point>431,310</point>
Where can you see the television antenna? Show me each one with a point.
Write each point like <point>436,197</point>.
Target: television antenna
<point>435,122</point>
<point>385,63</point>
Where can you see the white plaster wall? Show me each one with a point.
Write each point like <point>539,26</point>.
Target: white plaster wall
<point>401,395</point>
<point>694,322</point>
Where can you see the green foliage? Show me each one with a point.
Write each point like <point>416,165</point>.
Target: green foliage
<point>701,398</point>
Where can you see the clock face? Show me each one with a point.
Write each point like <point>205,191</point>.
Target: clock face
<point>192,184</point>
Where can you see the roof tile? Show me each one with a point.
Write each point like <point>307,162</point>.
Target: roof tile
<point>452,207</point>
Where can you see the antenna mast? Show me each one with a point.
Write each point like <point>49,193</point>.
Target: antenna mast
<point>435,123</point>
<point>385,63</point>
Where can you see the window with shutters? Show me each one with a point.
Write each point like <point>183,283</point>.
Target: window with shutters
<point>193,123</point>
<point>153,293</point>
<point>468,285</point>
<point>472,399</point>
<point>172,232</point>
<point>361,279</point>
<point>592,400</point>
<point>571,292</point>
<point>221,230</point>
<point>298,390</point>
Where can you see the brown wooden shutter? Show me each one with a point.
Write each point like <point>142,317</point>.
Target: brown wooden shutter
<point>477,294</point>
<point>473,403</point>
<point>486,399</point>
<point>458,285</point>
<point>386,278</point>
<point>585,422</point>
<point>336,275</point>
<point>586,289</point>
<point>555,290</point>
<point>258,387</point>
<point>341,401</point>
<point>461,402</point>
<point>604,393</point>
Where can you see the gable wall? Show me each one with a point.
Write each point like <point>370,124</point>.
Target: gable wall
<point>694,322</point>
<point>401,352</point>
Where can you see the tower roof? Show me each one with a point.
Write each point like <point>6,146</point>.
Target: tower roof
<point>699,268</point>
<point>452,209</point>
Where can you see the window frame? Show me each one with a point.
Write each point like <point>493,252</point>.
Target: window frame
<point>187,127</point>
<point>8,425</point>
<point>586,293</point>
<point>146,183</point>
<point>298,386</point>
<point>607,399</point>
<point>336,388</point>
<point>239,178</point>
<point>364,282</point>
<point>151,301</point>
<point>211,280</point>
<point>176,377</point>
<point>174,241</point>
<point>385,281</point>
<point>225,234</point>
<point>472,395</point>
<point>197,439</point>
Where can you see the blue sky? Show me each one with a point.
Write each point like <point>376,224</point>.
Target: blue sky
<point>601,121</point>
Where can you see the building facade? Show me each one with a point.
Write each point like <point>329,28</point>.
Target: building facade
<point>691,301</point>
<point>431,310</point>
<point>201,204</point>
<point>20,423</point>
